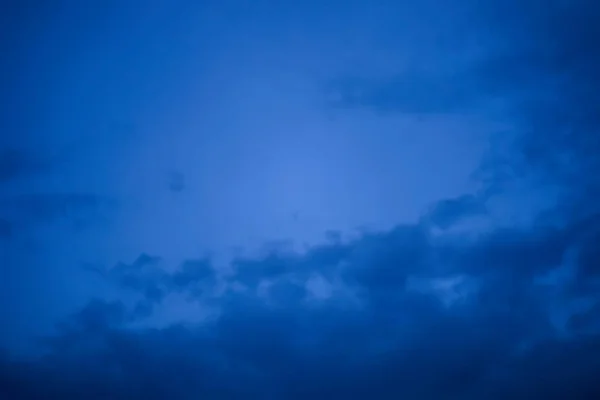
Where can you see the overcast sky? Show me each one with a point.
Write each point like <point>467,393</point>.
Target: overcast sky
<point>299,199</point>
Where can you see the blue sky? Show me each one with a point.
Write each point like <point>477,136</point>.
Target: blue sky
<point>281,200</point>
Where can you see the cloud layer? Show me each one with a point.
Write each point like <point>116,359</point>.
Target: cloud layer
<point>490,293</point>
<point>398,313</point>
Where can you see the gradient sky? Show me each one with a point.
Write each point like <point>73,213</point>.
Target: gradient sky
<point>299,199</point>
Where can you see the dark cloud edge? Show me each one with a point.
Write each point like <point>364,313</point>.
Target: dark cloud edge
<point>384,333</point>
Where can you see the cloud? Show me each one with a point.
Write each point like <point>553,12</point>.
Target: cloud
<point>446,213</point>
<point>5,229</point>
<point>18,162</point>
<point>193,272</point>
<point>547,71</point>
<point>401,313</point>
<point>146,275</point>
<point>536,71</point>
<point>79,209</point>
<point>14,163</point>
<point>376,334</point>
<point>587,320</point>
<point>415,92</point>
<point>93,320</point>
<point>176,182</point>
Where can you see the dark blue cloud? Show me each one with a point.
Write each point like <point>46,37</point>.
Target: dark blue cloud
<point>48,206</point>
<point>75,211</point>
<point>411,93</point>
<point>394,339</point>
<point>549,68</point>
<point>448,212</point>
<point>507,310</point>
<point>15,163</point>
<point>5,229</point>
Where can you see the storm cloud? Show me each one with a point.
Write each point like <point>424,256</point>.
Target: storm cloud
<point>406,196</point>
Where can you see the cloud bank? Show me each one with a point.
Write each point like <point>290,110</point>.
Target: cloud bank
<point>462,303</point>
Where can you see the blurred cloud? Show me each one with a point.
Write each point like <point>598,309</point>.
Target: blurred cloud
<point>394,340</point>
<point>176,182</point>
<point>14,164</point>
<point>289,118</point>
